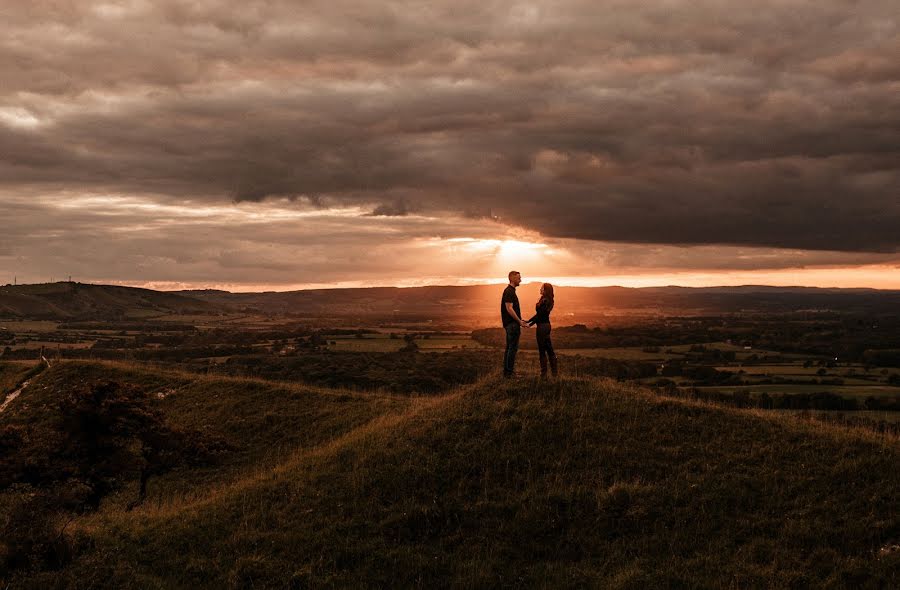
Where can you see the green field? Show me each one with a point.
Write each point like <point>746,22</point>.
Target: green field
<point>368,343</point>
<point>50,346</point>
<point>798,369</point>
<point>141,314</point>
<point>29,325</point>
<point>637,353</point>
<point>439,343</point>
<point>624,354</point>
<point>843,390</point>
<point>382,342</point>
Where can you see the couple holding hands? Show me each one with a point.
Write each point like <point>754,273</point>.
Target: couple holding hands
<point>513,324</point>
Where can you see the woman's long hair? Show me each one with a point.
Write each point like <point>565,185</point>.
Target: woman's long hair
<point>546,299</point>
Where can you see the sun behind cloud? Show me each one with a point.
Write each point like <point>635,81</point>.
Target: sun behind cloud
<point>499,256</point>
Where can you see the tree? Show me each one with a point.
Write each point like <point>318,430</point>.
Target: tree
<point>114,430</point>
<point>104,436</point>
<point>411,345</point>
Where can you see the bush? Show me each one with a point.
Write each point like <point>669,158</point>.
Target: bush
<point>103,436</point>
<point>882,358</point>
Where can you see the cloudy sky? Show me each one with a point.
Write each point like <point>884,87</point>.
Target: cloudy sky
<point>276,145</point>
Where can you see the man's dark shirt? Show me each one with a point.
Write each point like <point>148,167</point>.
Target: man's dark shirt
<point>509,296</point>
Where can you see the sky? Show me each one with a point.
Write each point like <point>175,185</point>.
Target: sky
<point>271,145</point>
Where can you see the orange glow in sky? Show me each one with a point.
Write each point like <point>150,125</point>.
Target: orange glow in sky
<point>283,245</point>
<point>873,277</point>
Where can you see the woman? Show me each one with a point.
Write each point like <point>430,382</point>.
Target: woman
<point>542,318</point>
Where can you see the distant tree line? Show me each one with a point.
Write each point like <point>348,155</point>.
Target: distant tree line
<point>823,400</point>
<point>873,339</point>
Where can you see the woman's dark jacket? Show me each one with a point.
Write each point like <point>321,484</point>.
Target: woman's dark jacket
<point>543,308</point>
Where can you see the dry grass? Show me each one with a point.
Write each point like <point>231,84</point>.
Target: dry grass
<point>12,374</point>
<point>576,483</point>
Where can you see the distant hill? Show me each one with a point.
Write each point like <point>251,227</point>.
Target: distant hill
<point>71,301</point>
<point>483,300</point>
<point>577,483</point>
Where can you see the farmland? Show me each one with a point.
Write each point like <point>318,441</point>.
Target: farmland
<point>403,341</point>
<point>362,440</point>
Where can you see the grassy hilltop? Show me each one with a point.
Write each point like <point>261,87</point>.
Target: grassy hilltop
<point>582,482</point>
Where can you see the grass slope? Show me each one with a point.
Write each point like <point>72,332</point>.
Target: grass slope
<point>11,374</point>
<point>262,420</point>
<point>572,484</point>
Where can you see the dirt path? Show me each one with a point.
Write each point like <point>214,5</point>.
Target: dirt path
<point>10,397</point>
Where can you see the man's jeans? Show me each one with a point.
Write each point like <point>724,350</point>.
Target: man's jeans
<point>513,331</point>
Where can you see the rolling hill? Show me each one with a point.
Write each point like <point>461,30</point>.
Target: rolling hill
<point>79,301</point>
<point>576,483</point>
<point>483,300</point>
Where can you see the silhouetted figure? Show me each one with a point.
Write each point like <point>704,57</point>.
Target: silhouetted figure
<point>511,317</point>
<point>542,318</point>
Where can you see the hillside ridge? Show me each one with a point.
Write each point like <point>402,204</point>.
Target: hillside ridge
<point>83,301</point>
<point>575,482</point>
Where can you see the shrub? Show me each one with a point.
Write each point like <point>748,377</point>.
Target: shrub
<point>103,436</point>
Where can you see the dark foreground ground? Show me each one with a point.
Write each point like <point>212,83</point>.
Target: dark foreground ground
<point>584,482</point>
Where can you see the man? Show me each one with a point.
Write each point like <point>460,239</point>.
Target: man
<point>512,322</point>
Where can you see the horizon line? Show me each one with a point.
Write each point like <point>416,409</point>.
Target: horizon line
<point>339,287</point>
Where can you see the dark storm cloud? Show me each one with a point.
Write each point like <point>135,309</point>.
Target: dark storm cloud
<point>284,243</point>
<point>398,208</point>
<point>139,241</point>
<point>765,123</point>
